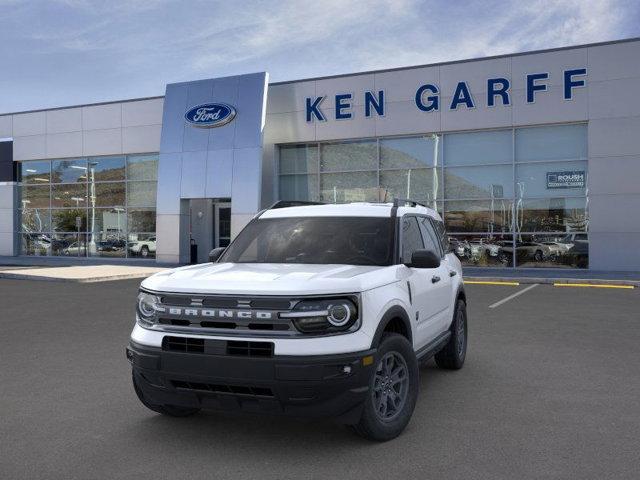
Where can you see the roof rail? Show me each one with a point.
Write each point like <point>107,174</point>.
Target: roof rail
<point>292,203</point>
<point>400,202</point>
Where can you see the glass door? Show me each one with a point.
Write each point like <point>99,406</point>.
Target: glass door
<point>222,227</point>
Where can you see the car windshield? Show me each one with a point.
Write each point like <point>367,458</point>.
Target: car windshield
<point>318,240</point>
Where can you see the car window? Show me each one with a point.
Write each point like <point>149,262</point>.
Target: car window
<point>429,236</point>
<point>442,234</point>
<point>411,238</point>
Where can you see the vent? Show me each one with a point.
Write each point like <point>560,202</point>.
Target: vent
<point>226,389</point>
<point>183,344</point>
<point>250,349</point>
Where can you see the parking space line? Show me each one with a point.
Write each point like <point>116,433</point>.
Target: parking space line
<point>512,296</point>
<point>482,282</point>
<point>592,285</point>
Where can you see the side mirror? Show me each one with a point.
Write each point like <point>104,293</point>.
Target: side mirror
<point>424,259</point>
<point>215,254</point>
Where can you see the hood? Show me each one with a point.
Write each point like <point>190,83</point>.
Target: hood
<point>271,279</point>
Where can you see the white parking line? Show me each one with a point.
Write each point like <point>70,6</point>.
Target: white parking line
<point>511,297</point>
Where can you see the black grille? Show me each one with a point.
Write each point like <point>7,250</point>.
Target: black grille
<point>183,344</point>
<point>250,349</point>
<point>228,389</point>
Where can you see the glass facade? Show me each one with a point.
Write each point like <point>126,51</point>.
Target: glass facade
<point>512,197</point>
<point>95,206</point>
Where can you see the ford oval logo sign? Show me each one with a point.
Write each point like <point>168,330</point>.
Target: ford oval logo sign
<point>210,115</point>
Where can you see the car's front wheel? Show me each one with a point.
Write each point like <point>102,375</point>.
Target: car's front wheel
<point>393,390</point>
<point>170,410</point>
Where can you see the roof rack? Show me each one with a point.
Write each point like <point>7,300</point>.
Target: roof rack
<point>292,203</point>
<point>401,202</point>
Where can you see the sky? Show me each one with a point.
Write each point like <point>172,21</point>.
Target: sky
<point>69,52</point>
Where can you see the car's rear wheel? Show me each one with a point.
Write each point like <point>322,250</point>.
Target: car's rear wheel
<point>393,390</point>
<point>144,251</point>
<point>538,256</point>
<point>170,410</point>
<point>453,354</point>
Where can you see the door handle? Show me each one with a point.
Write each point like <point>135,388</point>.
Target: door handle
<point>435,279</point>
<point>453,273</point>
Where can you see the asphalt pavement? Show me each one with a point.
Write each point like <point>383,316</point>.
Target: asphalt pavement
<point>550,389</point>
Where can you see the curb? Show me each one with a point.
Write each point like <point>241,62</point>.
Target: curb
<point>551,281</point>
<point>18,276</point>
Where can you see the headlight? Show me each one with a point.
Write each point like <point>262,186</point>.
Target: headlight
<point>147,307</point>
<point>331,315</point>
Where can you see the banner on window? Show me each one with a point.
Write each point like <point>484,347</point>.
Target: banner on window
<point>569,179</point>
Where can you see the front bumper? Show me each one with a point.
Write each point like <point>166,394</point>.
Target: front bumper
<point>318,386</point>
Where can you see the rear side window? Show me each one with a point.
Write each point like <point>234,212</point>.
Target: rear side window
<point>429,236</point>
<point>411,238</point>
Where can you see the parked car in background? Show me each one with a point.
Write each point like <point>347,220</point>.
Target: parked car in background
<point>143,247</point>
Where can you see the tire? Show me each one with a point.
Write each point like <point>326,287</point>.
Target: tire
<point>144,251</point>
<point>394,354</point>
<point>169,410</point>
<point>452,356</point>
<point>538,256</point>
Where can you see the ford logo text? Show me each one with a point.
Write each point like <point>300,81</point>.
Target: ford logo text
<point>210,115</point>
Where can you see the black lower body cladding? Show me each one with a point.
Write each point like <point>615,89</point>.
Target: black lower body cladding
<point>312,386</point>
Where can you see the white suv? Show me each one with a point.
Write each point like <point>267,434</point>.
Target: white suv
<point>323,310</point>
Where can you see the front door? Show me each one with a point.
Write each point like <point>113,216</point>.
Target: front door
<point>222,224</point>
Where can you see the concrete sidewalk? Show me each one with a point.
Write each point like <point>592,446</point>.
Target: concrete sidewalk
<point>551,276</point>
<point>78,273</point>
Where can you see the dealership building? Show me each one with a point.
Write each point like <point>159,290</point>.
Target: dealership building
<point>532,159</point>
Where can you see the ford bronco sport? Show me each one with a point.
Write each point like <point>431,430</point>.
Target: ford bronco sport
<point>323,310</point>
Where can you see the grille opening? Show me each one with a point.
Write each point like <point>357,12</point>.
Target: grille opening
<point>261,326</point>
<point>250,349</point>
<point>220,302</point>
<point>271,303</point>
<point>175,321</point>
<point>209,324</point>
<point>229,389</point>
<point>183,344</point>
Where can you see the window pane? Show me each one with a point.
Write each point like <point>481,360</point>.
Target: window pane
<point>479,182</point>
<point>552,215</point>
<point>109,194</point>
<point>69,245</point>
<point>560,142</point>
<point>65,220</point>
<point>478,148</point>
<point>429,236</point>
<point>483,250</point>
<point>551,179</point>
<point>299,187</point>
<point>35,196</point>
<point>69,195</point>
<point>69,171</point>
<point>107,168</point>
<point>553,251</point>
<point>141,194</point>
<point>142,167</point>
<point>35,244</point>
<point>143,220</point>
<point>411,238</point>
<point>142,245</point>
<point>421,185</point>
<point>349,187</point>
<point>35,220</point>
<point>478,216</point>
<point>413,152</point>
<point>106,246</point>
<point>107,223</point>
<point>35,172</point>
<point>337,157</point>
<point>298,159</point>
